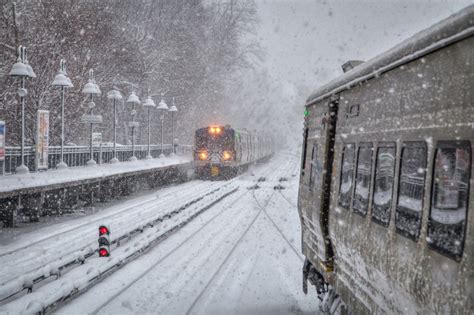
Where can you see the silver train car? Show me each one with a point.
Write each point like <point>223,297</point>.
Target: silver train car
<point>386,195</point>
<point>223,152</point>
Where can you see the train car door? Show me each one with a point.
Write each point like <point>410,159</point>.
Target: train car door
<point>321,152</point>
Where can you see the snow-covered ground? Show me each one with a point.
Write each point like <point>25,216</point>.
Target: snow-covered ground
<point>51,177</point>
<point>242,255</point>
<point>235,258</point>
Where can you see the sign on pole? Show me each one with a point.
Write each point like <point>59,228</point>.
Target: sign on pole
<point>42,140</point>
<point>2,147</point>
<point>91,119</point>
<point>96,138</point>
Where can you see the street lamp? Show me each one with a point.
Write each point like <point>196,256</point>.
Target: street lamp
<point>115,96</point>
<point>134,100</point>
<point>63,82</point>
<point>149,103</point>
<point>22,70</point>
<point>92,89</point>
<point>162,107</point>
<point>173,110</point>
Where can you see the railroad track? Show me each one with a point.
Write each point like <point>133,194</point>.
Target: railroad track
<point>123,226</point>
<point>87,270</point>
<point>225,209</point>
<point>82,277</point>
<point>149,237</point>
<point>262,209</point>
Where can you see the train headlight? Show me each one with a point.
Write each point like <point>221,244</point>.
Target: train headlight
<point>226,155</point>
<point>215,130</point>
<point>203,155</point>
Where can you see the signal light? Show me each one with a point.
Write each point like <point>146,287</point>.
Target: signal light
<point>103,252</point>
<point>104,241</point>
<point>103,230</point>
<point>226,155</point>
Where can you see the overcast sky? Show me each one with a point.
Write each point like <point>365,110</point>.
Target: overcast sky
<point>308,40</point>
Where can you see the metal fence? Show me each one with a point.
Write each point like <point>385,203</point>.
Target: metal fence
<point>79,155</point>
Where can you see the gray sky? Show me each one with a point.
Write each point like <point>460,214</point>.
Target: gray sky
<point>308,40</point>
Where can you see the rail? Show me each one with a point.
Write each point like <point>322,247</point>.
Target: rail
<point>79,155</point>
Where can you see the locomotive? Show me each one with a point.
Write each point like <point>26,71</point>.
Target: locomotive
<point>223,152</point>
<point>386,179</point>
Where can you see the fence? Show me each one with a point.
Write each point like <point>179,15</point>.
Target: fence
<point>79,155</point>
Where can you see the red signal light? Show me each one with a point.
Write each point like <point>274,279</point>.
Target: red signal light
<point>103,252</point>
<point>104,241</point>
<point>103,230</point>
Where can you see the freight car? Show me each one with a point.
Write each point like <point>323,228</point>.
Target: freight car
<point>386,188</point>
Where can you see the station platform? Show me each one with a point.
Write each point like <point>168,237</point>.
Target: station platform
<point>53,191</point>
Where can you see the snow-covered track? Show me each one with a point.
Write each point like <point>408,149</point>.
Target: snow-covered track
<point>134,203</point>
<point>32,266</point>
<point>267,170</point>
<point>96,311</point>
<point>79,279</point>
<point>221,266</point>
<point>262,208</point>
<point>124,225</point>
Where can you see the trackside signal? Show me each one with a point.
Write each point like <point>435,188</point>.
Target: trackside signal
<point>104,241</point>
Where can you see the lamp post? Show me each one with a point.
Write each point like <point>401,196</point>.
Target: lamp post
<point>115,96</point>
<point>149,103</point>
<point>173,110</point>
<point>134,100</point>
<point>92,89</point>
<point>162,107</point>
<point>21,69</point>
<point>61,80</point>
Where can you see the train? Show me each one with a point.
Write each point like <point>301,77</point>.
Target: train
<point>386,189</point>
<point>221,151</point>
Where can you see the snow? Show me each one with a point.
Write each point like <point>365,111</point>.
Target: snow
<point>209,267</point>
<point>415,47</point>
<point>233,258</point>
<point>52,177</point>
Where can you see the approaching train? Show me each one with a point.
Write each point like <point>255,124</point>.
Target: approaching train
<point>386,194</point>
<point>222,151</point>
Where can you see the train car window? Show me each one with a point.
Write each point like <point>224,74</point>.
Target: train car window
<point>314,162</point>
<point>449,198</point>
<point>363,175</point>
<point>347,175</point>
<point>411,189</point>
<point>383,183</point>
<point>305,146</point>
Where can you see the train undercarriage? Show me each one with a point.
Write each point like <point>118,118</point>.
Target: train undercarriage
<point>330,301</point>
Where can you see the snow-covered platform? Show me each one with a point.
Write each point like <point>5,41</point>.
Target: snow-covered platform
<point>57,190</point>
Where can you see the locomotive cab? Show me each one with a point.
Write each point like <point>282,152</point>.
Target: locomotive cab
<point>214,153</point>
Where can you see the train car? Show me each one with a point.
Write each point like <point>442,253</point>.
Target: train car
<point>223,152</point>
<point>386,189</point>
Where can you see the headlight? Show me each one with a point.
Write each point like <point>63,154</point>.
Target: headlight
<point>226,155</point>
<point>202,155</point>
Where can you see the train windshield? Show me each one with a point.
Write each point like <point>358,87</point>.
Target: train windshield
<point>222,139</point>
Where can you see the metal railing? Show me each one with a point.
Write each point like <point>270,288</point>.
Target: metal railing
<point>79,155</point>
